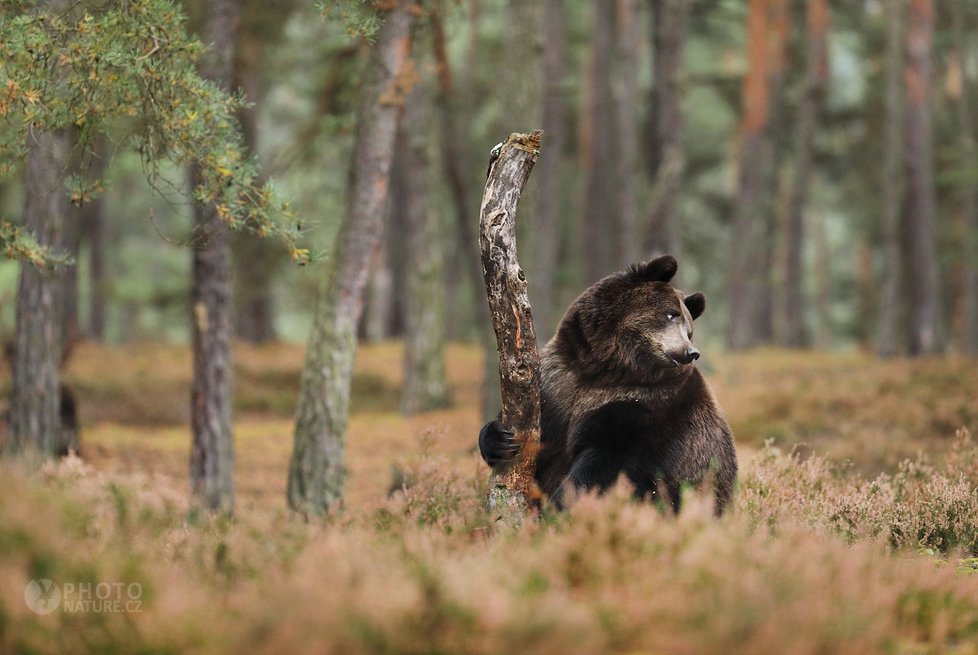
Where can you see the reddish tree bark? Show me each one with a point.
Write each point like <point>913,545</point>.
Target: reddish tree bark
<point>762,285</point>
<point>753,163</point>
<point>816,73</point>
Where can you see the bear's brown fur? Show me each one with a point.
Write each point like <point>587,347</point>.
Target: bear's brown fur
<point>620,395</point>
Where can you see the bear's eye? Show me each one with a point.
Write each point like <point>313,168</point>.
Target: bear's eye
<point>671,316</point>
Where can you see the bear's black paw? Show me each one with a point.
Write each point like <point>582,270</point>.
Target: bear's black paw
<point>497,444</point>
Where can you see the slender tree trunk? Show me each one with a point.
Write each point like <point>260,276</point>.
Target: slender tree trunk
<point>625,89</point>
<point>94,225</point>
<point>753,163</point>
<point>762,286</point>
<point>816,72</point>
<point>969,193</point>
<point>923,297</point>
<point>823,303</point>
<point>450,138</point>
<point>888,327</point>
<point>521,76</point>
<point>867,291</point>
<point>425,385</point>
<point>256,261</point>
<point>73,231</point>
<point>452,163</point>
<point>666,123</point>
<point>519,363</point>
<point>35,398</point>
<point>317,471</point>
<point>600,206</point>
<point>378,309</point>
<point>212,454</point>
<point>543,284</point>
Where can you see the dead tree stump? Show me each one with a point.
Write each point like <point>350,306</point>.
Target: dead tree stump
<point>511,491</point>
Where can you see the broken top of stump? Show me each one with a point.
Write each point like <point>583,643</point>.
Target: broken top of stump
<point>525,142</point>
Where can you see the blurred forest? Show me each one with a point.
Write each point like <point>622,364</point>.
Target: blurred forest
<point>812,164</point>
<point>774,146</point>
<point>225,221</point>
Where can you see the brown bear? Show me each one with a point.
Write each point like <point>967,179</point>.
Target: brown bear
<point>620,394</point>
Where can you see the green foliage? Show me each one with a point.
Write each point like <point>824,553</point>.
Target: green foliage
<point>360,17</point>
<point>131,66</point>
<point>17,244</point>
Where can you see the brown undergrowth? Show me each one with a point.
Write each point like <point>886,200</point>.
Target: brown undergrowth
<point>828,547</point>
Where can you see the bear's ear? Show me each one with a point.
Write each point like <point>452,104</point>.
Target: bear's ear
<point>660,269</point>
<point>695,303</point>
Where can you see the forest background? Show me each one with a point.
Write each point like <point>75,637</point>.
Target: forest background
<point>811,164</point>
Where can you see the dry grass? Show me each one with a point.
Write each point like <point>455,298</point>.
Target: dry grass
<point>849,407</point>
<point>817,556</point>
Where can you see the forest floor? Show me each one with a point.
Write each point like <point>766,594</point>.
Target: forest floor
<point>854,528</point>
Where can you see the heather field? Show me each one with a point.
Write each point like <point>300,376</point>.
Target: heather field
<point>854,527</point>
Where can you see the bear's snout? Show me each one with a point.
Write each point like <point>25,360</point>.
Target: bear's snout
<point>692,354</point>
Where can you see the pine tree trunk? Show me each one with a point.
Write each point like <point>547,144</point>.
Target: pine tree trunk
<point>73,231</point>
<point>510,493</point>
<point>425,385</point>
<point>449,104</point>
<point>93,220</point>
<point>888,332</point>
<point>212,455</point>
<point>666,123</point>
<point>256,261</point>
<point>762,285</point>
<point>35,399</point>
<point>378,304</point>
<point>625,83</point>
<point>600,210</point>
<point>452,163</point>
<point>522,76</point>
<point>753,163</point>
<point>969,193</point>
<point>921,270</point>
<point>317,470</point>
<point>543,291</point>
<point>816,71</point>
<point>823,301</point>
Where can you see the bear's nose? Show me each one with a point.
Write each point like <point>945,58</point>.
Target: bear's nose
<point>692,354</point>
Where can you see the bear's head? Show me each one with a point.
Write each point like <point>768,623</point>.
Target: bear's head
<point>632,325</point>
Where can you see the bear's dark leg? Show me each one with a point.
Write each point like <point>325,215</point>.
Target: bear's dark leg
<point>674,488</point>
<point>726,477</point>
<point>646,489</point>
<point>69,423</point>
<point>593,469</point>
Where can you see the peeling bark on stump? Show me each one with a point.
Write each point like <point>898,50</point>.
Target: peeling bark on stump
<point>510,492</point>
